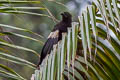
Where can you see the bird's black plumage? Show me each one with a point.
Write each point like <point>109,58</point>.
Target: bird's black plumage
<point>56,35</point>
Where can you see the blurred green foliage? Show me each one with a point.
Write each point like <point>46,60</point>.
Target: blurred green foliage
<point>39,24</point>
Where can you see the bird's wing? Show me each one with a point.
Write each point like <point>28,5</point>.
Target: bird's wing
<point>52,39</point>
<point>54,34</point>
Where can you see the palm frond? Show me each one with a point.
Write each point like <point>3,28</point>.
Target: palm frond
<point>98,35</point>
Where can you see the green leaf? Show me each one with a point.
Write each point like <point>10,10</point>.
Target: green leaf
<point>10,70</point>
<point>20,29</point>
<point>83,35</point>
<point>63,55</point>
<point>22,36</point>
<point>116,10</point>
<point>111,14</point>
<point>111,54</point>
<point>19,47</point>
<point>87,26</point>
<point>24,12</point>
<point>18,2</point>
<point>15,59</point>
<point>11,75</point>
<point>76,74</point>
<point>20,8</point>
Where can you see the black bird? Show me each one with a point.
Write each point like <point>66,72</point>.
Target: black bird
<point>56,35</point>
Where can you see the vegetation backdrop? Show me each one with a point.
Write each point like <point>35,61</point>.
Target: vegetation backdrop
<point>90,50</point>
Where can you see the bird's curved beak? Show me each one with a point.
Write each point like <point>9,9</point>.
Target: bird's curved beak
<point>63,15</point>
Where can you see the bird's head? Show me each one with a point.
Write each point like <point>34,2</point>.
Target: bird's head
<point>66,17</point>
